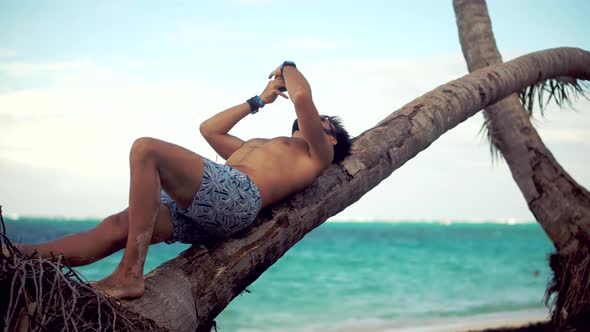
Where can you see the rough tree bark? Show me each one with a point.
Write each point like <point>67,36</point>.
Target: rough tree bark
<point>559,203</point>
<point>188,292</point>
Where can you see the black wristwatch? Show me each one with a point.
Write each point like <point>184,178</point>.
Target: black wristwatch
<point>287,63</point>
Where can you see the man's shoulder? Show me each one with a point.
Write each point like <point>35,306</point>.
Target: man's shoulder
<point>299,150</point>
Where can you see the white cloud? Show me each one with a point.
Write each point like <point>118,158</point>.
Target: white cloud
<point>565,135</point>
<point>254,2</point>
<point>564,126</point>
<point>314,43</point>
<point>189,32</point>
<point>44,191</point>
<point>19,68</point>
<point>85,123</point>
<point>6,53</point>
<point>368,90</point>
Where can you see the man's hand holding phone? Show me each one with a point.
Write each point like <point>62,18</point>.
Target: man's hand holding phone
<point>273,89</point>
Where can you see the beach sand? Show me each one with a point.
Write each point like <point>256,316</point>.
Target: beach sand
<point>509,321</point>
<point>482,322</point>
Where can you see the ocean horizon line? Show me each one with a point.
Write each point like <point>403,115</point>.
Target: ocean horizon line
<point>442,221</point>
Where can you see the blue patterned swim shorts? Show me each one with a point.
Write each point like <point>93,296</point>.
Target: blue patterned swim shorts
<point>227,202</point>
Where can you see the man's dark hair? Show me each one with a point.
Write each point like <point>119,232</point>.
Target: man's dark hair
<point>342,147</point>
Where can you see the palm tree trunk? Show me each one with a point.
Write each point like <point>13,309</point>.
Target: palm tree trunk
<point>559,203</point>
<point>188,292</point>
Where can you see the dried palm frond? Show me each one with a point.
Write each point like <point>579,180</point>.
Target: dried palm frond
<point>568,293</point>
<point>47,295</point>
<point>563,90</point>
<point>485,132</point>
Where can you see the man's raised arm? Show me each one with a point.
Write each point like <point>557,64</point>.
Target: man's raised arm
<point>216,129</point>
<point>308,117</point>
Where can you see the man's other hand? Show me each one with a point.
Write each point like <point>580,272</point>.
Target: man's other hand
<point>271,92</point>
<point>276,73</point>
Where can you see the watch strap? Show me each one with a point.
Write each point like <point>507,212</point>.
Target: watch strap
<point>287,63</point>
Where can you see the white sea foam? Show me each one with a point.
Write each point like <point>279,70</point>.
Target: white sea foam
<point>443,221</point>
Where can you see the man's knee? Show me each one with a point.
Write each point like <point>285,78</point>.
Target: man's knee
<point>116,227</point>
<point>143,148</point>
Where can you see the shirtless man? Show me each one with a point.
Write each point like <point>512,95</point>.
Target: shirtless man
<point>177,195</point>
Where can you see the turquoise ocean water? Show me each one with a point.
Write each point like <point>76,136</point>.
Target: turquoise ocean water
<point>364,274</point>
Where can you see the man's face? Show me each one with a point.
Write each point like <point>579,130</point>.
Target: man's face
<point>326,123</point>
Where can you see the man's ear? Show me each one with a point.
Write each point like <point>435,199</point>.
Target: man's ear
<point>333,140</point>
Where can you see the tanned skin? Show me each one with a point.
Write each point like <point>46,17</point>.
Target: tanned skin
<point>279,166</point>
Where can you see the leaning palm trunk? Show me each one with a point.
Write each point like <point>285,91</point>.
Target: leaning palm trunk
<point>188,292</point>
<point>560,205</point>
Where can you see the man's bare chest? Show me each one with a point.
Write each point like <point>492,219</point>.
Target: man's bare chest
<point>277,145</point>
<point>279,148</point>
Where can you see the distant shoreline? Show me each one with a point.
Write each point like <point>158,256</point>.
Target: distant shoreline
<point>474,323</point>
<point>445,221</point>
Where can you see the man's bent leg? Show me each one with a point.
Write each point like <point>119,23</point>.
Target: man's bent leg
<point>154,165</point>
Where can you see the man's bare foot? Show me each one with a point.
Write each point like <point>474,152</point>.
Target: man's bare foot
<point>121,287</point>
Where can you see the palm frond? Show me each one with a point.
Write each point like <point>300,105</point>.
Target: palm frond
<point>485,132</point>
<point>563,90</point>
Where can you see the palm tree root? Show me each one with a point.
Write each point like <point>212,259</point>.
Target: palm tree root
<point>47,295</point>
<point>568,292</point>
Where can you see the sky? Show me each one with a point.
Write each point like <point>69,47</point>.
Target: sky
<point>80,81</point>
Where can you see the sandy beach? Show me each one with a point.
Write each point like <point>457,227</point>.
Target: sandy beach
<point>451,324</point>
